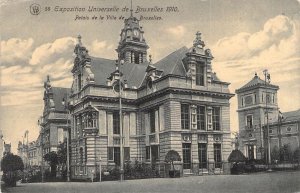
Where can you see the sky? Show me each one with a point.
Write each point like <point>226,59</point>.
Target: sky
<point>245,37</point>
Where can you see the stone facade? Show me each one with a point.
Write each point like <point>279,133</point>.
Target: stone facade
<point>284,132</point>
<point>55,119</point>
<point>177,104</point>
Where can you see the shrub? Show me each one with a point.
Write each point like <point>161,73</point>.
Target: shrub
<point>11,166</point>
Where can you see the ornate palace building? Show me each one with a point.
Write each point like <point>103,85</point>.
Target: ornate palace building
<point>177,104</point>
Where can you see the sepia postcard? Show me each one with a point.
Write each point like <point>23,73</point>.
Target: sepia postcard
<point>150,96</point>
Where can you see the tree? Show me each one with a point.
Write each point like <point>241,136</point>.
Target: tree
<point>236,156</point>
<point>172,156</point>
<point>286,153</point>
<point>62,153</point>
<point>62,157</point>
<point>52,159</point>
<point>11,164</point>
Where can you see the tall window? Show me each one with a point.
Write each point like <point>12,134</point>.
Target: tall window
<point>251,152</point>
<point>186,155</point>
<point>114,154</point>
<point>216,118</point>
<point>201,117</point>
<point>202,154</point>
<point>200,75</point>
<point>147,152</point>
<point>117,156</point>
<point>185,116</point>
<point>249,121</point>
<point>217,155</point>
<point>126,153</point>
<point>152,121</point>
<point>110,153</point>
<point>154,153</point>
<point>136,58</point>
<point>116,123</point>
<point>242,101</point>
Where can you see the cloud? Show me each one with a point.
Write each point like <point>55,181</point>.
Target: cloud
<point>102,49</point>
<point>16,50</point>
<point>177,31</point>
<point>278,36</point>
<point>50,52</point>
<point>22,82</point>
<point>275,47</point>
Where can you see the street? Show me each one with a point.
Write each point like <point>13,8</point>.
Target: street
<point>260,182</point>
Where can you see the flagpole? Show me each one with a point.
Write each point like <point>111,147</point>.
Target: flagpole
<point>267,76</point>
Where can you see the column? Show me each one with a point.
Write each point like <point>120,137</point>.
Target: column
<point>209,118</point>
<point>110,129</point>
<point>140,58</point>
<point>147,128</point>
<point>210,152</point>
<point>126,129</point>
<point>195,157</point>
<point>193,116</point>
<point>156,126</point>
<point>102,122</point>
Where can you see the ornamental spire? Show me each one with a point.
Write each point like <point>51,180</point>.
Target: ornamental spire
<point>79,40</point>
<point>198,42</point>
<point>131,10</point>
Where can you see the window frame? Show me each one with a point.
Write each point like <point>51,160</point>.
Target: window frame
<point>148,154</point>
<point>216,118</point>
<point>200,74</point>
<point>218,155</point>
<point>251,125</point>
<point>152,121</point>
<point>202,155</point>
<point>116,123</point>
<point>201,123</point>
<point>186,155</point>
<point>185,116</point>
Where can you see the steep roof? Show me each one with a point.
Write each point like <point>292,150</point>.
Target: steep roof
<point>58,95</point>
<point>256,81</point>
<point>172,64</point>
<point>133,73</point>
<point>291,115</point>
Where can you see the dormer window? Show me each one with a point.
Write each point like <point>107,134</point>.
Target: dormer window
<point>136,58</point>
<point>200,75</point>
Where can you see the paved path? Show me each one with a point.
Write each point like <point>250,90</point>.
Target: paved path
<point>262,182</point>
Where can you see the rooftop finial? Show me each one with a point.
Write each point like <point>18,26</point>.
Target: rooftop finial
<point>150,58</point>
<point>198,35</point>
<point>79,39</point>
<point>255,74</point>
<point>198,41</point>
<point>131,10</point>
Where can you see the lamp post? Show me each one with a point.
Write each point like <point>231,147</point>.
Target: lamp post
<point>68,153</point>
<point>267,77</point>
<point>119,63</point>
<point>42,149</point>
